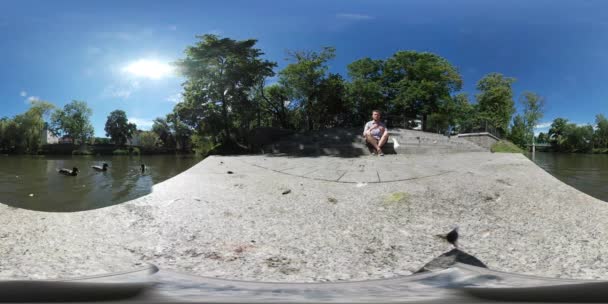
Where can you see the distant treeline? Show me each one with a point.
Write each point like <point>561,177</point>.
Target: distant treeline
<point>569,137</point>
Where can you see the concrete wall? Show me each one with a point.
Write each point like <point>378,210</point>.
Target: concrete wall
<point>482,139</point>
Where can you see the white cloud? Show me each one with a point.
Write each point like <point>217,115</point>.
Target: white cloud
<point>354,17</point>
<point>142,124</point>
<point>31,99</point>
<point>23,93</point>
<point>543,125</point>
<point>123,91</point>
<point>175,98</point>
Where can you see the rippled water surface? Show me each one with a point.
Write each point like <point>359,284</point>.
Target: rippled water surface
<point>585,172</point>
<point>32,182</point>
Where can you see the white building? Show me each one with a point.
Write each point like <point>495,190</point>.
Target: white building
<point>47,137</point>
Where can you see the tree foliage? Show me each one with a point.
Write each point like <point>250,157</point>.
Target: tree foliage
<point>303,80</point>
<point>119,128</point>
<point>495,100</point>
<point>221,73</point>
<point>148,140</point>
<point>420,82</point>
<point>73,121</point>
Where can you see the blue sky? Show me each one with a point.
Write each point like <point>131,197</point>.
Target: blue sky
<point>111,54</point>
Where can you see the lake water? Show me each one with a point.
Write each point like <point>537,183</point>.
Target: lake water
<point>32,182</point>
<point>585,172</point>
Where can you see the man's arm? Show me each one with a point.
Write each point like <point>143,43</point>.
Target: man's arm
<point>366,129</point>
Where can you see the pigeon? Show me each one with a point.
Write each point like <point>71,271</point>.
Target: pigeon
<point>451,237</point>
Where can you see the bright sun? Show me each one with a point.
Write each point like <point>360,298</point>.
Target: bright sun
<point>149,68</point>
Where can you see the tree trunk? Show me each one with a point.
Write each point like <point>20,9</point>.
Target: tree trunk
<point>226,122</point>
<point>424,119</point>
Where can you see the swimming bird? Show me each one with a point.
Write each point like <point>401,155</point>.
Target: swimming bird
<point>143,168</point>
<point>69,172</point>
<point>101,168</point>
<point>451,237</point>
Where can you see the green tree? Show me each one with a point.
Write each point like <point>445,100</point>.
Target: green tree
<point>579,138</point>
<point>162,128</point>
<point>181,131</point>
<point>533,107</point>
<point>367,90</point>
<point>73,121</point>
<point>332,108</point>
<point>601,131</point>
<point>519,131</point>
<point>119,128</point>
<point>558,131</point>
<point>148,140</point>
<point>420,82</point>
<point>303,80</point>
<point>30,125</point>
<point>221,73</point>
<point>495,100</point>
<point>542,138</point>
<point>274,102</point>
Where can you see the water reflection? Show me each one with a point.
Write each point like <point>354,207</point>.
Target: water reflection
<point>32,182</point>
<point>585,172</point>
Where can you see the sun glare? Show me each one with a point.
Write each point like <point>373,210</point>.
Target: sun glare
<point>149,68</point>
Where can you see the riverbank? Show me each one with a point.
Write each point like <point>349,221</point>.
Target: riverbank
<point>323,219</point>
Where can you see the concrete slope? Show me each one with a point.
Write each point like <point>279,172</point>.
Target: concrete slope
<point>317,219</point>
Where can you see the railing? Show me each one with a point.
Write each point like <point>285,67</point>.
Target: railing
<point>482,126</point>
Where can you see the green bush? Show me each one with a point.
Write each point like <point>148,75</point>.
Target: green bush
<point>82,152</point>
<point>202,145</point>
<point>505,146</point>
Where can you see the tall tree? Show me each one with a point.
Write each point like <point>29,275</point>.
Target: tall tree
<point>162,128</point>
<point>542,138</point>
<point>533,107</point>
<point>119,128</point>
<point>519,131</point>
<point>30,125</point>
<point>495,100</point>
<point>420,82</point>
<point>274,102</point>
<point>304,77</point>
<point>601,131</point>
<point>367,90</point>
<point>558,133</point>
<point>221,72</point>
<point>73,121</point>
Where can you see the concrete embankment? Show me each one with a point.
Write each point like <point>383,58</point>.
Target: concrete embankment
<point>323,219</point>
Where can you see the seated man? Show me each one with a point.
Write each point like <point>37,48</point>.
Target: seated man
<point>375,133</point>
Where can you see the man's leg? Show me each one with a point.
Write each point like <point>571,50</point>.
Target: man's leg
<point>383,141</point>
<point>372,142</point>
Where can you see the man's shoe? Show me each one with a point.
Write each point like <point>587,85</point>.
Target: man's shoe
<point>381,153</point>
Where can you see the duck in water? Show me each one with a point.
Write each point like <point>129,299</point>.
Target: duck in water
<point>69,172</point>
<point>143,168</point>
<point>104,167</point>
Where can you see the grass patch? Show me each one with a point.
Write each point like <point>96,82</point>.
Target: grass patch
<point>600,151</point>
<point>397,198</point>
<point>82,152</point>
<point>505,146</point>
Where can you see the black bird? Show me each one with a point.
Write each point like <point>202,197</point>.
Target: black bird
<point>69,172</point>
<point>451,237</point>
<point>143,168</point>
<point>104,167</point>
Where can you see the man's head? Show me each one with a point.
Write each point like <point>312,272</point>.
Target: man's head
<point>376,115</point>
